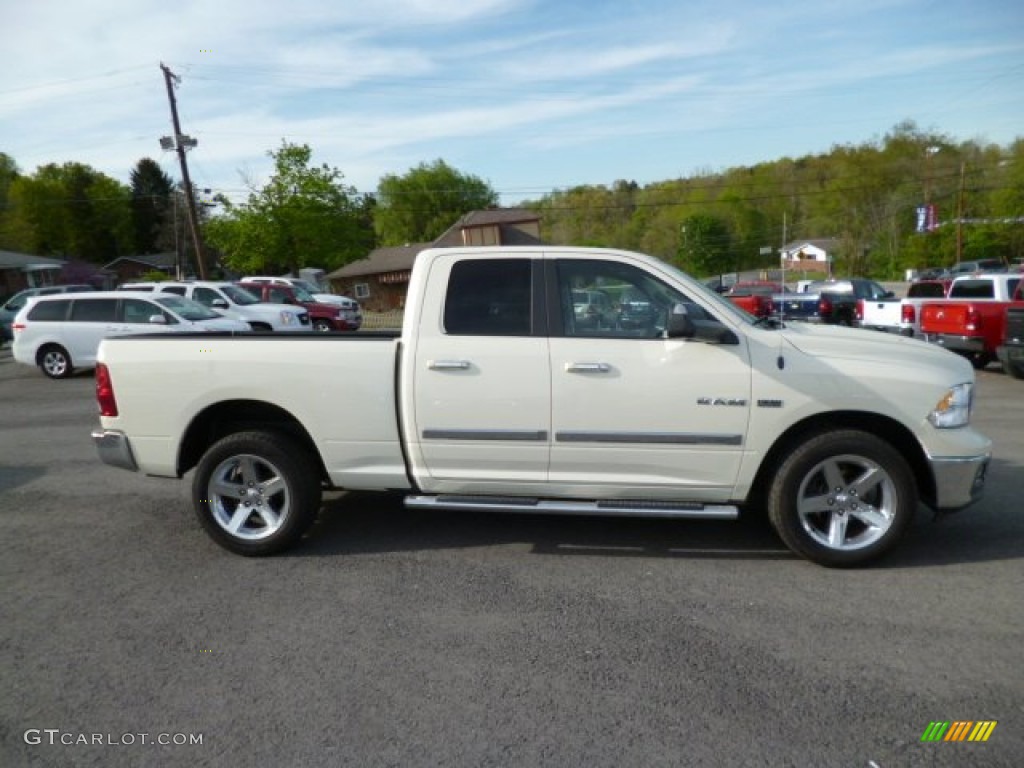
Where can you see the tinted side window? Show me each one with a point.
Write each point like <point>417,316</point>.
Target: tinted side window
<point>178,290</point>
<point>206,296</point>
<point>94,310</point>
<point>489,297</point>
<point>277,295</point>
<point>49,311</point>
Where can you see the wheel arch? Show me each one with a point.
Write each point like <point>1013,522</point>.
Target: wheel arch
<point>49,344</point>
<point>230,416</point>
<point>884,427</point>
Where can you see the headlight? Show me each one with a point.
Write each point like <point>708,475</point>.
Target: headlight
<point>287,318</point>
<point>954,408</point>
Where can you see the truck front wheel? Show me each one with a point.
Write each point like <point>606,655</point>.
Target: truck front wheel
<point>842,498</point>
<point>256,493</point>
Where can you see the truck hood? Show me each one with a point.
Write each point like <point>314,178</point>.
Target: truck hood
<point>836,342</point>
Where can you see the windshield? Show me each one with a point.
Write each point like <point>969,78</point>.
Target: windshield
<point>302,294</point>
<point>187,309</point>
<point>239,295</point>
<point>306,286</point>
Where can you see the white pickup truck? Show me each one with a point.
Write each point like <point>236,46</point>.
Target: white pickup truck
<point>498,396</point>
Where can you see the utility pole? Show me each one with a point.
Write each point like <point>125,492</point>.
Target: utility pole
<point>180,142</point>
<point>960,216</point>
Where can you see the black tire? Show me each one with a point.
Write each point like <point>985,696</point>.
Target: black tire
<point>980,359</point>
<point>842,498</point>
<point>322,326</point>
<point>270,474</point>
<point>54,361</point>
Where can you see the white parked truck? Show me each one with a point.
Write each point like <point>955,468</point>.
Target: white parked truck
<point>495,396</point>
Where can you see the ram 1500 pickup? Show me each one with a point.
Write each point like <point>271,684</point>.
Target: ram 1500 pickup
<point>497,395</point>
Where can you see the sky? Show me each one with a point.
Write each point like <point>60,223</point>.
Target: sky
<point>531,96</point>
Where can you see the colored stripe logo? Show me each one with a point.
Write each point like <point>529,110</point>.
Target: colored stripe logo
<point>959,730</point>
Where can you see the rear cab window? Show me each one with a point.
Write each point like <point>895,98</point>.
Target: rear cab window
<point>489,297</point>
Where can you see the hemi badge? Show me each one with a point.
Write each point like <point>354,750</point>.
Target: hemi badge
<point>721,401</point>
<point>769,403</point>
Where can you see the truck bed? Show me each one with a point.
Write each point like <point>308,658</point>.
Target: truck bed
<point>341,387</point>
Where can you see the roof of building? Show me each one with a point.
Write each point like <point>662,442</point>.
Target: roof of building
<point>400,257</point>
<point>26,261</point>
<point>824,243</point>
<point>503,218</point>
<point>166,260</point>
<point>394,258</point>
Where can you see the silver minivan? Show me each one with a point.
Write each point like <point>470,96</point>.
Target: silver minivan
<point>61,333</point>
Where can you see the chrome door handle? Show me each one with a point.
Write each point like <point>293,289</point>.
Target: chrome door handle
<point>587,368</point>
<point>448,365</point>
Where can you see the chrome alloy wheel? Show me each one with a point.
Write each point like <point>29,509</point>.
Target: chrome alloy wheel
<point>846,502</point>
<point>248,497</point>
<point>55,363</point>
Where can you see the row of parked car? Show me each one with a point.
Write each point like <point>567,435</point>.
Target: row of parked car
<point>980,316</point>
<point>59,328</point>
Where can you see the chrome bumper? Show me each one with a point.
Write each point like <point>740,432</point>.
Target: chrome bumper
<point>958,481</point>
<point>964,344</point>
<point>114,449</point>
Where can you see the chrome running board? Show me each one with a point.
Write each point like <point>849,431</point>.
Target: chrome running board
<point>606,507</point>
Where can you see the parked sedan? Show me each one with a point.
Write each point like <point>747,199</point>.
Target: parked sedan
<point>61,333</point>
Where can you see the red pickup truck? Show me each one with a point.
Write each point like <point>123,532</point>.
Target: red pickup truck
<point>754,296</point>
<point>972,319</point>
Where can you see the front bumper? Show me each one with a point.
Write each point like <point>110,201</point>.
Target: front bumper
<point>959,481</point>
<point>114,449</point>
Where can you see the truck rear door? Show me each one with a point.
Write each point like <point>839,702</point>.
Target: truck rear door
<point>481,380</point>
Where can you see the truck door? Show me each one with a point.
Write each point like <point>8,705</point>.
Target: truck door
<point>635,414</point>
<point>482,394</point>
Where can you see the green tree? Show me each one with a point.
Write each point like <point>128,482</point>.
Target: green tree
<point>152,207</point>
<point>70,210</point>
<point>422,204</point>
<point>704,246</point>
<point>303,216</point>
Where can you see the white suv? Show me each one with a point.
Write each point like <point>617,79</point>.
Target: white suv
<point>349,306</point>
<point>62,332</point>
<point>235,302</point>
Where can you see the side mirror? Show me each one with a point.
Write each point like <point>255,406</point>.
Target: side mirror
<point>679,326</point>
<point>157,320</point>
<point>219,304</point>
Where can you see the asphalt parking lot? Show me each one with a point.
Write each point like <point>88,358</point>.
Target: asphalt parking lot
<point>396,638</point>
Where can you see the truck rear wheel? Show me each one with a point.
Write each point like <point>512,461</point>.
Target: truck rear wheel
<point>842,498</point>
<point>256,493</point>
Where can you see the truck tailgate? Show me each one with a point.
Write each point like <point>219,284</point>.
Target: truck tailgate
<point>944,317</point>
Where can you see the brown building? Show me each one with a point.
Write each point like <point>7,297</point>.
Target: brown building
<point>129,268</point>
<point>19,271</point>
<point>379,282</point>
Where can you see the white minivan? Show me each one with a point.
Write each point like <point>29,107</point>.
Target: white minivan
<point>61,333</point>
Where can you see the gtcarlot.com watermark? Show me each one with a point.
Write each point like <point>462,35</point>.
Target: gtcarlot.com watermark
<point>55,736</point>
